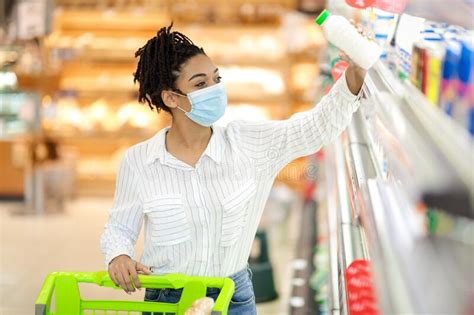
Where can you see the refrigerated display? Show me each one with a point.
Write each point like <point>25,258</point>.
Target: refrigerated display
<point>396,200</point>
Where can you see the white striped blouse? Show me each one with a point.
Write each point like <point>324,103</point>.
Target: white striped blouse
<point>202,220</point>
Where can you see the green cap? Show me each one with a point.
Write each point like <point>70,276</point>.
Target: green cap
<point>322,17</point>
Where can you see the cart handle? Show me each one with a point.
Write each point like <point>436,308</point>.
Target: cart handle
<point>170,281</point>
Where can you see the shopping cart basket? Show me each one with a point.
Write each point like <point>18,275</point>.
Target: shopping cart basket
<point>68,301</point>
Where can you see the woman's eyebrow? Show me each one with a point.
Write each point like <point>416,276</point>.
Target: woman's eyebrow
<point>197,75</point>
<point>201,74</point>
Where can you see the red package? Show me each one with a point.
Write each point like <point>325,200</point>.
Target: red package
<point>392,6</point>
<point>360,4</point>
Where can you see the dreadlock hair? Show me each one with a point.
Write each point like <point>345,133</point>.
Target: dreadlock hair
<point>159,65</point>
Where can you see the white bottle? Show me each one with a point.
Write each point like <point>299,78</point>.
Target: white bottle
<point>342,34</point>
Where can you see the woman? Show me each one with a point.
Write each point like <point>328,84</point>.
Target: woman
<point>200,188</point>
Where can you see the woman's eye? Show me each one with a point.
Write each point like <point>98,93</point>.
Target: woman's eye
<point>200,84</point>
<point>219,79</point>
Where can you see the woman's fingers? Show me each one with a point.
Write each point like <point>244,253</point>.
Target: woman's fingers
<point>113,277</point>
<point>124,273</point>
<point>361,30</point>
<point>121,281</point>
<point>126,281</point>
<point>133,273</point>
<point>144,269</point>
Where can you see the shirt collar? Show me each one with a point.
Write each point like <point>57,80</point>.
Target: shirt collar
<point>215,148</point>
<point>156,148</point>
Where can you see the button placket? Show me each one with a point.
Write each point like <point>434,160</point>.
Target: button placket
<point>200,209</point>
<point>203,209</point>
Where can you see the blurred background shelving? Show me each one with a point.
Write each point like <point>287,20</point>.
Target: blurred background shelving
<point>89,93</point>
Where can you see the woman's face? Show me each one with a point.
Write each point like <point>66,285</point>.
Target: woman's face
<point>197,73</point>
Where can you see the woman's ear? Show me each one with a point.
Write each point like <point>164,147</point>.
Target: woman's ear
<point>170,99</point>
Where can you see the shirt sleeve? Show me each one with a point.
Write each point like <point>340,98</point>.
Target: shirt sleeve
<point>273,144</point>
<point>125,217</point>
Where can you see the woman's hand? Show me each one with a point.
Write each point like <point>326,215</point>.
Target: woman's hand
<point>355,75</point>
<point>124,272</point>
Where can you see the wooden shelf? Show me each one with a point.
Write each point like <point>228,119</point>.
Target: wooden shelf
<point>117,21</point>
<point>102,135</point>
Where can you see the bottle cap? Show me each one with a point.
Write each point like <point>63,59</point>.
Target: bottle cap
<point>322,17</point>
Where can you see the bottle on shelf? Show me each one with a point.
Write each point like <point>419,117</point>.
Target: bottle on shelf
<point>464,110</point>
<point>449,77</point>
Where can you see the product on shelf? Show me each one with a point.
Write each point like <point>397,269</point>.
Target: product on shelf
<point>68,116</point>
<point>392,6</point>
<point>17,113</point>
<point>383,27</point>
<point>338,68</point>
<point>449,76</point>
<point>442,69</point>
<point>233,45</point>
<point>261,44</point>
<point>98,116</point>
<point>464,109</point>
<point>235,12</point>
<point>138,115</point>
<point>97,82</point>
<point>360,4</point>
<point>408,32</point>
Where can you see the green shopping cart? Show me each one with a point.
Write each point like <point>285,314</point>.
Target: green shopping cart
<point>68,301</point>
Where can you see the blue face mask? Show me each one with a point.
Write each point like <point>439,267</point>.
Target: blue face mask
<point>207,105</point>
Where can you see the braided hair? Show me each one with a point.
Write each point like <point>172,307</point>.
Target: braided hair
<point>159,65</point>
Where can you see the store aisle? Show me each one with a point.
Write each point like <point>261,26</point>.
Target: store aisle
<point>33,246</point>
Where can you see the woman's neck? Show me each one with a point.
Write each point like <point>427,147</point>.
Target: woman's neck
<point>190,136</point>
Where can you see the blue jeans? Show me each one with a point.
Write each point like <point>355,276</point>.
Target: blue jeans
<point>242,302</point>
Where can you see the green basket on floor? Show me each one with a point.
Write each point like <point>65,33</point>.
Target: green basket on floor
<point>68,300</point>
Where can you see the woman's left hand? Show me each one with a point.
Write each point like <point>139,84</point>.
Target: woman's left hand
<point>355,75</point>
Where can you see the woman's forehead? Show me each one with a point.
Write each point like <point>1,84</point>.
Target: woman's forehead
<point>197,64</point>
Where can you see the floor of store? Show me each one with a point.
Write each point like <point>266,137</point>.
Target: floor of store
<point>32,246</point>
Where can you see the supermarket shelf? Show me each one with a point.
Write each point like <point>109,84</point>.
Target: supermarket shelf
<point>101,136</point>
<point>346,237</point>
<point>127,94</point>
<point>303,266</point>
<point>127,57</point>
<point>451,138</point>
<point>388,203</point>
<point>454,12</point>
<point>389,161</point>
<point>427,140</point>
<point>110,21</point>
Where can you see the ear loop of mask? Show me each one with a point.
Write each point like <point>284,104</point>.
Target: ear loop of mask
<point>183,95</point>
